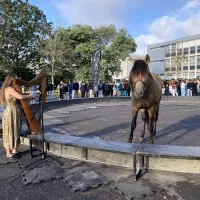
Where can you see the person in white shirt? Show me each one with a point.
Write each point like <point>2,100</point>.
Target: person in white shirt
<point>183,85</point>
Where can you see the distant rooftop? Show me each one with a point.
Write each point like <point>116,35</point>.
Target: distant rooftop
<point>184,39</point>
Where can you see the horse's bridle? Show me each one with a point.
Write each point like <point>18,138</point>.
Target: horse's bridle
<point>145,83</point>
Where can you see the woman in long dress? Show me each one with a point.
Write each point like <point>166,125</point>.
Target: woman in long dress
<point>11,119</point>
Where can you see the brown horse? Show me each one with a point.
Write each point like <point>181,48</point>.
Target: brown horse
<point>146,95</point>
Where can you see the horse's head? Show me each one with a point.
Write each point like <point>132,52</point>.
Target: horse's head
<point>139,77</point>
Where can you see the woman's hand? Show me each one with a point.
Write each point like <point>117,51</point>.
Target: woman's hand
<point>32,97</point>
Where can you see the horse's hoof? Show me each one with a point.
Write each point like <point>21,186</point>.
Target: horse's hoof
<point>129,141</point>
<point>141,139</point>
<point>152,140</point>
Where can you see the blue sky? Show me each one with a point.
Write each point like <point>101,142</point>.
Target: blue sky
<point>148,21</point>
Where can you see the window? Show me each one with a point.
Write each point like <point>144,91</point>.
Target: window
<point>185,61</point>
<point>167,63</point>
<point>185,75</point>
<point>198,62</point>
<point>192,67</point>
<point>198,49</point>
<point>173,50</point>
<point>185,51</point>
<point>185,68</point>
<point>167,51</point>
<point>192,50</point>
<point>173,68</point>
<point>179,68</point>
<point>167,69</point>
<point>179,52</point>
<point>192,60</point>
<point>192,63</point>
<point>173,62</point>
<point>192,75</point>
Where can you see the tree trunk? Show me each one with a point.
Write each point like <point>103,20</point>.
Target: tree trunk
<point>52,71</point>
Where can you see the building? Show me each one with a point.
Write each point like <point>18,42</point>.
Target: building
<point>176,58</point>
<point>126,67</point>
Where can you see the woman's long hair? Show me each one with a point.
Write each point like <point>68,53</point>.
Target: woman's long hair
<point>8,82</point>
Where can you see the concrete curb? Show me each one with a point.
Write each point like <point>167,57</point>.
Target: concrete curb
<point>140,156</point>
<point>63,103</point>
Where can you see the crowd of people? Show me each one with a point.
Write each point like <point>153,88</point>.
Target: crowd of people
<point>84,89</point>
<point>181,87</point>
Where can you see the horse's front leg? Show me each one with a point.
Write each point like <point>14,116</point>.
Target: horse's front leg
<point>133,124</point>
<point>155,120</point>
<point>143,113</point>
<point>151,124</point>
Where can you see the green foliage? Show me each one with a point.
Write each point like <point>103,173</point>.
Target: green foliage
<point>22,27</point>
<point>115,46</point>
<point>57,53</point>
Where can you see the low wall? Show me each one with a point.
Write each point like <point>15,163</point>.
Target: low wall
<point>63,103</point>
<point>135,156</point>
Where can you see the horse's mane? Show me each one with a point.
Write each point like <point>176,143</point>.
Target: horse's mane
<point>139,67</point>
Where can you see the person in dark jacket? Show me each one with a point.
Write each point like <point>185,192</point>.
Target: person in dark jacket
<point>75,88</point>
<point>50,88</point>
<point>61,90</point>
<point>70,89</point>
<point>189,87</point>
<point>83,88</point>
<point>126,88</point>
<point>194,88</point>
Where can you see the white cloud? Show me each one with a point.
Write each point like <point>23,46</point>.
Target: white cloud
<point>92,12</point>
<point>183,23</point>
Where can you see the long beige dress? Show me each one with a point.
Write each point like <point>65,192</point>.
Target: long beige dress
<point>11,124</point>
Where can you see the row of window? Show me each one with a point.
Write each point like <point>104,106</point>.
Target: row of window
<point>192,67</point>
<point>186,60</point>
<point>180,51</point>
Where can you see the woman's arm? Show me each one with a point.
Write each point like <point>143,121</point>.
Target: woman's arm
<point>17,95</point>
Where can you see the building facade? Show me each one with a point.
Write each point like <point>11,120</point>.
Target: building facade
<point>126,67</point>
<point>176,58</point>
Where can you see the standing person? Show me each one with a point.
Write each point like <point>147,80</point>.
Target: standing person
<point>70,86</point>
<point>75,89</point>
<point>101,87</point>
<point>121,88</point>
<point>178,86</point>
<point>66,91</point>
<point>111,88</point>
<point>189,86</point>
<point>108,89</point>
<point>61,90</point>
<point>90,89</point>
<point>83,89</point>
<point>126,88</point>
<point>33,91</point>
<point>11,121</point>
<point>114,90</point>
<point>167,89</point>
<point>183,88</point>
<point>194,88</point>
<point>50,88</point>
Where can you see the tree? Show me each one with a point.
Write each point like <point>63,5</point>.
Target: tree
<point>178,58</point>
<point>114,45</point>
<point>22,27</point>
<point>57,53</point>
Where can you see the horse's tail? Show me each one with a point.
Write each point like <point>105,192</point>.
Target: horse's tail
<point>147,116</point>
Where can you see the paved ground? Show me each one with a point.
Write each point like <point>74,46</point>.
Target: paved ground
<point>177,124</point>
<point>63,179</point>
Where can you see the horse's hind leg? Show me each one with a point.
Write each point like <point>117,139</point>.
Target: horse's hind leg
<point>133,124</point>
<point>144,119</point>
